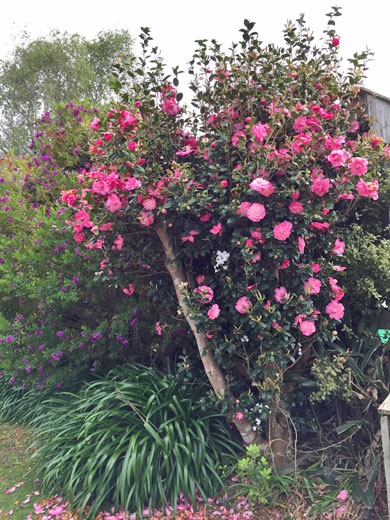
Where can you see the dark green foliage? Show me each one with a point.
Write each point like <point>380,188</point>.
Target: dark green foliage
<point>133,438</point>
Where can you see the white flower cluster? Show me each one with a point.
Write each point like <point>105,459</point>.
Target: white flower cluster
<point>221,259</point>
<point>263,411</point>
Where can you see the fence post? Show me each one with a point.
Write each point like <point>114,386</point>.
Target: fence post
<point>384,411</point>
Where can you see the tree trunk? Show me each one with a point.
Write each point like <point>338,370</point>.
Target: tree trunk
<point>213,370</point>
<point>279,437</point>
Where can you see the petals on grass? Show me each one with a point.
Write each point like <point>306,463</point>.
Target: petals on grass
<point>342,495</point>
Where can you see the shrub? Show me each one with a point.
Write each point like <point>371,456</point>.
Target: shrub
<point>133,438</point>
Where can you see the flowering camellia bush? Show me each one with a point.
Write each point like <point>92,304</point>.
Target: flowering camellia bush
<point>243,199</point>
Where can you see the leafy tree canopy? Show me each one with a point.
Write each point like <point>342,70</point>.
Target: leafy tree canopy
<point>42,73</point>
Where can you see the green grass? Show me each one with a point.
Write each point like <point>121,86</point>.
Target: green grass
<point>15,464</point>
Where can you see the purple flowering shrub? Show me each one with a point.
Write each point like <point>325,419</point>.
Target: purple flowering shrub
<point>59,320</point>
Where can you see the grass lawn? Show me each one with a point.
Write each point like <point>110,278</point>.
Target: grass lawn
<point>18,491</point>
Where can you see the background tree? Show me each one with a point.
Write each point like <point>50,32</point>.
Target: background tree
<point>42,73</point>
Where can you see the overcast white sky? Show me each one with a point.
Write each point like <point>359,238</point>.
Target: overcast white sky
<point>175,24</point>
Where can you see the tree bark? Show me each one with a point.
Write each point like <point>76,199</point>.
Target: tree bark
<point>213,370</point>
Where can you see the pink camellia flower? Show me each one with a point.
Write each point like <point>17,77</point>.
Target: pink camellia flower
<point>113,203</point>
<point>243,208</point>
<point>335,42</point>
<point>149,204</point>
<point>334,143</point>
<point>312,286</point>
<point>338,158</point>
<point>307,327</point>
<point>281,295</point>
<point>98,244</point>
<point>213,312</point>
<point>336,289</point>
<point>346,196</point>
<point>216,229</point>
<point>320,186</point>
<point>243,305</point>
<point>79,237</point>
<point>369,189</point>
<point>300,124</point>
<point>146,218</point>
<point>338,248</point>
<point>319,226</point>
<point>353,126</point>
<point>262,186</point>
<point>256,212</point>
<point>129,290</point>
<point>256,234</point>
<point>283,230</point>
<point>69,197</point>
<point>170,106</point>
<point>296,207</point>
<point>260,132</point>
<point>190,237</point>
<point>239,416</point>
<point>95,124</point>
<point>206,216</point>
<point>200,279</point>
<point>301,244</point>
<point>107,226</point>
<point>206,294</point>
<point>316,268</point>
<point>237,138</point>
<point>358,166</point>
<point>131,145</point>
<point>285,264</point>
<point>132,183</point>
<point>82,218</point>
<point>335,310</point>
<point>118,243</point>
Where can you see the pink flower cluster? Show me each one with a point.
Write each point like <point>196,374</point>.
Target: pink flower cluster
<point>169,103</point>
